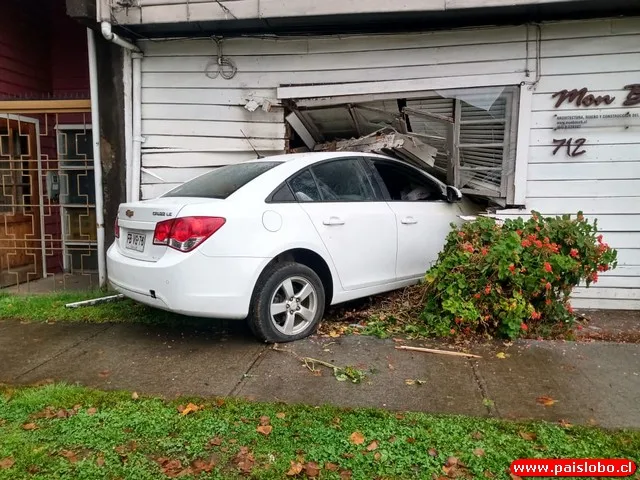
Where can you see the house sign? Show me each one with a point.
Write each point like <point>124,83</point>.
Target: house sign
<point>582,98</point>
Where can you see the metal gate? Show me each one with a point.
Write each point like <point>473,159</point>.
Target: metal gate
<point>47,198</point>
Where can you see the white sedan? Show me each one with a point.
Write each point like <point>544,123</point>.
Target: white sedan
<point>278,239</point>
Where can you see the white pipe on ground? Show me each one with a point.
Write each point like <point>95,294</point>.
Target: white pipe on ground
<point>97,160</point>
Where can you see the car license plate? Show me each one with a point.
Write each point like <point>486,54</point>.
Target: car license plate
<point>135,241</point>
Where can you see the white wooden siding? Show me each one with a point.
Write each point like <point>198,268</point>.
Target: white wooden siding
<point>192,123</point>
<point>603,56</point>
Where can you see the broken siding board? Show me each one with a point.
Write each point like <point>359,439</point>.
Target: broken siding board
<point>258,80</point>
<point>211,144</point>
<point>224,113</point>
<point>210,128</point>
<point>584,171</point>
<point>207,96</point>
<point>199,159</point>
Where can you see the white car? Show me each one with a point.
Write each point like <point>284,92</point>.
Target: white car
<point>278,239</point>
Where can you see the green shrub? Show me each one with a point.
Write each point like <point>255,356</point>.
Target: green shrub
<point>505,279</point>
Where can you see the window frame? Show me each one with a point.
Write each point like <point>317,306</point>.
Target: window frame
<point>419,173</point>
<point>378,194</point>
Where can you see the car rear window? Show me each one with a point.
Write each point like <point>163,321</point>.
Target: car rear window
<point>223,181</point>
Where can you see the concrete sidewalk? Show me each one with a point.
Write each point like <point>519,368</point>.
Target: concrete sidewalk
<point>593,383</point>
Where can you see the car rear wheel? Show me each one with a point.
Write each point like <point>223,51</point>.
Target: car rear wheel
<point>288,303</point>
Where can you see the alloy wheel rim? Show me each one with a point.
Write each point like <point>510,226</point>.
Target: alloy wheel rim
<point>293,305</point>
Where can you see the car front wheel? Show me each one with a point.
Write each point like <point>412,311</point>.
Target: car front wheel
<point>288,303</point>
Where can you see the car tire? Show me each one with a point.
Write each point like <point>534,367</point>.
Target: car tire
<point>272,307</point>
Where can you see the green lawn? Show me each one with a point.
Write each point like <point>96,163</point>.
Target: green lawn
<point>51,308</point>
<point>61,431</point>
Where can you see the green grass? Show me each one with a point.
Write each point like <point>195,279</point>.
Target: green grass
<point>51,308</point>
<point>114,436</point>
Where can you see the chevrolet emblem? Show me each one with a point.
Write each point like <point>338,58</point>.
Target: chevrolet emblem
<point>129,213</point>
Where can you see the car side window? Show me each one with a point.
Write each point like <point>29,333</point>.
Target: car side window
<point>406,184</point>
<point>343,181</point>
<point>304,187</point>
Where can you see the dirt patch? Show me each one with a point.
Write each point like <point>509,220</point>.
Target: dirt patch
<point>621,326</point>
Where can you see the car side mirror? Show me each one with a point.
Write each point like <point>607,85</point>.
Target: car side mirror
<point>453,194</point>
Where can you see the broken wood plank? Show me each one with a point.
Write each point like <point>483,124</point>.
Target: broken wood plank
<point>439,352</point>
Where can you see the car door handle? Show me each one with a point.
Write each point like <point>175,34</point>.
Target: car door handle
<point>409,221</point>
<point>333,221</point>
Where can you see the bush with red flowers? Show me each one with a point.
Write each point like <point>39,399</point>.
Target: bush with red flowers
<point>505,278</point>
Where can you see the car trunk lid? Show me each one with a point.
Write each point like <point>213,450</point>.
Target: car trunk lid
<point>138,220</point>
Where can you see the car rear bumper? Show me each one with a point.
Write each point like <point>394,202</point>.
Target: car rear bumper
<point>190,284</point>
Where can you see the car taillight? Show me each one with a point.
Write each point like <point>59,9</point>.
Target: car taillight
<point>186,233</point>
<point>116,228</point>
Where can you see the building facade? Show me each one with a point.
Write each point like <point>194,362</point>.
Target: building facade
<point>541,115</point>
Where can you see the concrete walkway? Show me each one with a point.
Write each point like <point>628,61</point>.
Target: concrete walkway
<point>593,383</point>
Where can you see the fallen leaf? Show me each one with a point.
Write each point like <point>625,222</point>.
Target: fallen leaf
<point>29,426</point>
<point>69,455</point>
<point>198,466</point>
<point>377,456</point>
<point>479,452</point>
<point>135,396</point>
<point>409,381</point>
<point>62,413</point>
<point>356,438</point>
<point>104,374</point>
<point>477,435</point>
<point>528,436</point>
<point>100,460</point>
<point>451,461</point>
<point>6,463</point>
<point>545,401</point>
<point>433,452</point>
<point>281,415</point>
<point>215,441</point>
<point>345,475</point>
<point>312,469</point>
<point>264,420</point>
<point>92,411</point>
<point>172,468</point>
<point>392,439</point>
<point>296,468</point>
<point>332,467</point>
<point>411,440</point>
<point>264,429</point>
<point>565,424</point>
<point>502,355</point>
<point>220,402</point>
<point>372,446</point>
<point>245,460</point>
<point>189,409</point>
